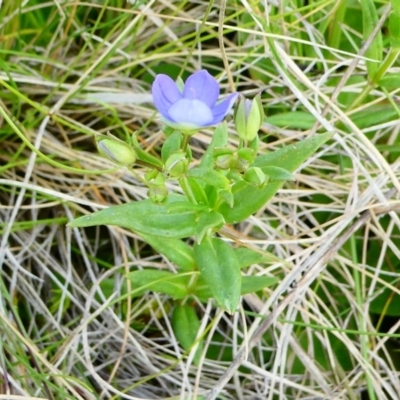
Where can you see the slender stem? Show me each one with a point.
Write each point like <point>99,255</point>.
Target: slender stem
<point>386,64</point>
<point>148,165</point>
<point>183,182</point>
<point>185,142</point>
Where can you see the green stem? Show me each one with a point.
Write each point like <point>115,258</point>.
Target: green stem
<point>148,165</point>
<point>386,64</point>
<point>183,182</point>
<point>185,142</point>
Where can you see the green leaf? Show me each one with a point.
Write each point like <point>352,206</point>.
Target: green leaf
<point>107,286</point>
<point>171,145</point>
<point>183,206</point>
<point>293,119</point>
<point>174,285</point>
<point>375,115</point>
<point>247,257</point>
<point>144,156</point>
<point>394,25</point>
<point>390,81</point>
<point>277,173</point>
<point>370,20</point>
<point>249,199</point>
<point>186,325</point>
<point>219,139</point>
<point>219,268</point>
<point>177,251</point>
<point>206,221</point>
<point>291,157</point>
<point>251,284</point>
<point>145,217</point>
<point>210,176</point>
<point>198,191</point>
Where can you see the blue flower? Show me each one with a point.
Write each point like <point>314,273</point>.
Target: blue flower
<point>195,106</point>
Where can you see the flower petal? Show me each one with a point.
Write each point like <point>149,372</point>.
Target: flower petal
<point>221,110</point>
<point>190,113</point>
<point>165,93</point>
<point>201,86</point>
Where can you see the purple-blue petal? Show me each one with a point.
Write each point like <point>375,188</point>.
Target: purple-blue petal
<point>221,110</point>
<point>201,86</point>
<point>190,113</point>
<point>165,93</point>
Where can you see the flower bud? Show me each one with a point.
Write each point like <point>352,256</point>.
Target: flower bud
<point>223,158</point>
<point>225,161</point>
<point>241,164</point>
<point>248,117</point>
<point>176,164</point>
<point>115,150</point>
<point>157,193</point>
<point>151,175</point>
<point>234,176</point>
<point>247,154</point>
<point>255,176</point>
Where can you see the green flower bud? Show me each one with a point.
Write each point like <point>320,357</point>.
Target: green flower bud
<point>248,117</point>
<point>255,176</point>
<point>176,164</point>
<point>220,151</point>
<point>234,176</point>
<point>223,158</point>
<point>151,175</point>
<point>247,154</point>
<point>224,161</point>
<point>157,193</point>
<point>116,150</point>
<point>241,164</point>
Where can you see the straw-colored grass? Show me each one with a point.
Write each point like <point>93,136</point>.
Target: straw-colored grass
<point>73,69</point>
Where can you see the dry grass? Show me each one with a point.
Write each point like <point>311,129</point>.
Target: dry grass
<point>75,69</point>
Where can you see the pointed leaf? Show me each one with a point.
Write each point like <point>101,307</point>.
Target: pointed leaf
<point>210,176</point>
<point>292,119</point>
<point>186,325</point>
<point>197,188</point>
<point>206,221</point>
<point>171,145</point>
<point>249,199</point>
<point>291,157</point>
<point>177,251</point>
<point>251,284</point>
<point>174,285</point>
<point>219,268</point>
<point>144,217</point>
<point>144,156</point>
<point>277,173</point>
<point>247,257</point>
<point>219,139</point>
